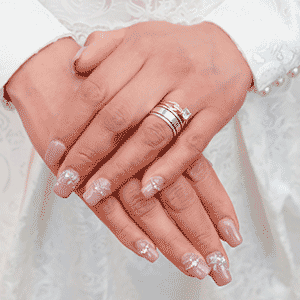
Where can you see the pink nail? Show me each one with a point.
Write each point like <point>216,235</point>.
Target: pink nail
<point>66,183</point>
<point>220,270</point>
<point>54,153</point>
<point>195,265</point>
<point>98,190</point>
<point>154,185</point>
<point>229,232</point>
<point>147,250</point>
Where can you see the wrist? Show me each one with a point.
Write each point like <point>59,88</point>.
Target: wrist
<point>51,56</point>
<point>225,45</point>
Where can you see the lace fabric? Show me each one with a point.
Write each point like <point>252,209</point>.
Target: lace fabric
<point>54,248</point>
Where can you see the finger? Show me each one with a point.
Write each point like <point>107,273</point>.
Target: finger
<point>138,151</point>
<point>192,141</point>
<point>151,217</point>
<point>215,201</point>
<point>112,214</point>
<point>97,47</point>
<point>125,111</point>
<point>91,96</point>
<point>184,207</point>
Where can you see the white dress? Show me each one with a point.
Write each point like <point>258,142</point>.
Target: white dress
<point>57,249</point>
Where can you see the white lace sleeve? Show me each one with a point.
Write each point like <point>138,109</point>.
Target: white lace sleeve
<point>267,32</point>
<point>18,43</point>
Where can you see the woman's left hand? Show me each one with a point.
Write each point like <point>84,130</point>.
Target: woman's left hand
<point>198,67</point>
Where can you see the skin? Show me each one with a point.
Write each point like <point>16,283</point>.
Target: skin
<point>198,66</point>
<point>40,90</point>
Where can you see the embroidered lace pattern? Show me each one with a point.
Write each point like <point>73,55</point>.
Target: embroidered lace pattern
<point>57,249</point>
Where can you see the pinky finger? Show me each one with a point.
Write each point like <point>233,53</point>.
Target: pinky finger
<point>126,231</point>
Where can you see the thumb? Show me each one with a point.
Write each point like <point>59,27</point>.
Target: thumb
<point>98,46</point>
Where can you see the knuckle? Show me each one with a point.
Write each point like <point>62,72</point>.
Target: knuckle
<point>196,143</point>
<point>139,206</point>
<point>177,63</point>
<point>92,94</point>
<point>123,231</point>
<point>116,119</point>
<point>155,133</point>
<point>84,160</point>
<point>205,238</point>
<point>109,206</point>
<point>180,196</point>
<point>143,208</point>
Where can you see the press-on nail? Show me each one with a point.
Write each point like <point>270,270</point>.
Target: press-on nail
<point>54,153</point>
<point>98,190</point>
<point>229,232</point>
<point>219,267</point>
<point>147,250</point>
<point>66,183</point>
<point>195,265</point>
<point>154,185</point>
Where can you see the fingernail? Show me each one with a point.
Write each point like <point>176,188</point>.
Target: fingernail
<point>154,185</point>
<point>147,250</point>
<point>219,268</point>
<point>76,57</point>
<point>195,265</point>
<point>66,183</point>
<point>98,190</point>
<point>229,232</point>
<point>55,151</point>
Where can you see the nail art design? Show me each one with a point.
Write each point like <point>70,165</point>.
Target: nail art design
<point>66,183</point>
<point>147,250</point>
<point>220,270</point>
<point>154,185</point>
<point>195,265</point>
<point>55,151</point>
<point>229,232</point>
<point>99,189</point>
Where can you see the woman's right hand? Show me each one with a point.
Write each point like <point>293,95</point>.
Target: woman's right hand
<point>180,226</point>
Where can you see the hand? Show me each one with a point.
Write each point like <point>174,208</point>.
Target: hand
<point>36,102</point>
<point>199,67</point>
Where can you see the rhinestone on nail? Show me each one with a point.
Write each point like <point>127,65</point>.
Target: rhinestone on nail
<point>217,260</point>
<point>70,176</point>
<point>194,263</point>
<point>156,183</point>
<point>145,249</point>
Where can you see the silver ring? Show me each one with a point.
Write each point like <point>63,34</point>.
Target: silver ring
<point>172,114</point>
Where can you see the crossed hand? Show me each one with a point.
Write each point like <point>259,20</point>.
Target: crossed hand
<point>145,178</point>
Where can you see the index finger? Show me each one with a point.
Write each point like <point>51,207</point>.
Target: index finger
<point>92,95</point>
